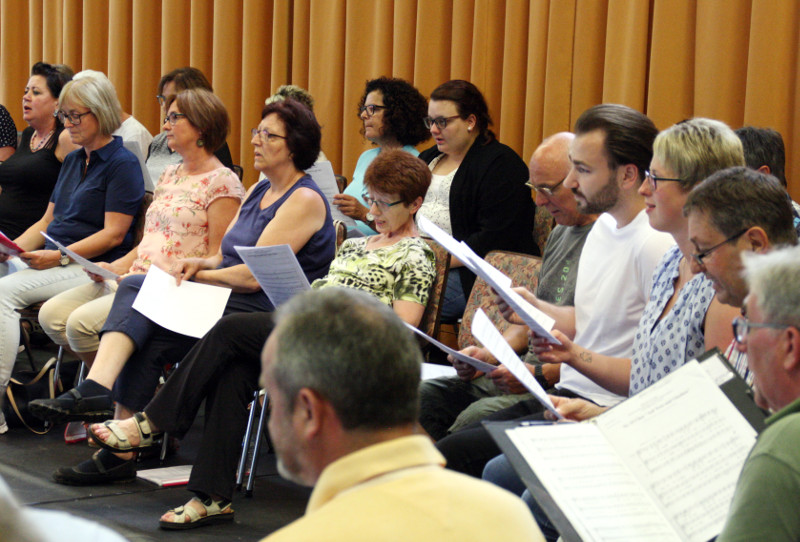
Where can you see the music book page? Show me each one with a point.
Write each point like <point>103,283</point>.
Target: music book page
<point>681,442</point>
<point>322,173</point>
<point>276,270</point>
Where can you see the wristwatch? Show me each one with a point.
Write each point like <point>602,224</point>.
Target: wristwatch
<point>64,260</point>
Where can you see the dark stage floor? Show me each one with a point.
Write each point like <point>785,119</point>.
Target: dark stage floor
<point>27,460</point>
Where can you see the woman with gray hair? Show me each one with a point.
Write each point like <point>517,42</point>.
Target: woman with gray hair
<point>91,210</point>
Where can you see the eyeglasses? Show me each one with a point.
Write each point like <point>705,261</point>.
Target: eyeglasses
<point>440,122</point>
<point>73,118</point>
<point>742,326</point>
<point>655,180</point>
<point>370,109</point>
<point>548,191</point>
<point>265,135</point>
<point>382,205</point>
<point>699,256</point>
<point>173,117</point>
<point>161,99</point>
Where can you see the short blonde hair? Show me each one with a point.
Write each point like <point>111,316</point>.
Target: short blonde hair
<point>99,95</point>
<point>694,149</point>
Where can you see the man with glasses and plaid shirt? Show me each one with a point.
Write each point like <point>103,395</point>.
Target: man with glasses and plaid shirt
<point>736,210</point>
<point>764,505</point>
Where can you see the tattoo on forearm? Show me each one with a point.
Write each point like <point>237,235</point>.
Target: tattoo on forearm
<point>585,357</point>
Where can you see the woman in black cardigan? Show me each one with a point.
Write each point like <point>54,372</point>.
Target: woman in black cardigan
<point>478,193</point>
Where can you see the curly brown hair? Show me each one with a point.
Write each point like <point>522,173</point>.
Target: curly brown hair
<point>405,109</point>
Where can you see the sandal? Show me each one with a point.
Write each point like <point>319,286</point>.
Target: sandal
<point>118,440</point>
<point>103,468</point>
<point>214,514</point>
<point>72,406</point>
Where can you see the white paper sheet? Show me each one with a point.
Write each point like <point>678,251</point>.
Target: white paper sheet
<point>483,329</point>
<point>433,370</point>
<point>189,309</point>
<point>535,319</point>
<point>322,173</point>
<point>277,271</point>
<point>478,364</point>
<point>687,443</point>
<point>77,258</point>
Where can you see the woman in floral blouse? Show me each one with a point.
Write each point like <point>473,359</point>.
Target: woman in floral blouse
<point>193,204</point>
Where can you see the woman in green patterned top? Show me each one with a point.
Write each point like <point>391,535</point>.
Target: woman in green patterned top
<point>396,265</point>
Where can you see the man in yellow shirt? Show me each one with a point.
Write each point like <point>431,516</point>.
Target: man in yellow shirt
<point>342,375</point>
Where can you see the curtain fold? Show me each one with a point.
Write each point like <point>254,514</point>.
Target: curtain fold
<point>540,63</point>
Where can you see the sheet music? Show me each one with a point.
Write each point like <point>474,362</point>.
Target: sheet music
<point>478,364</point>
<point>535,319</point>
<point>86,264</point>
<point>189,309</point>
<point>687,443</point>
<point>7,246</point>
<point>590,483</point>
<point>277,271</point>
<point>483,329</point>
<point>322,173</point>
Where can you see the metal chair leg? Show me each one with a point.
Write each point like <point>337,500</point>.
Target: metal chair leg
<point>246,441</point>
<point>259,437</point>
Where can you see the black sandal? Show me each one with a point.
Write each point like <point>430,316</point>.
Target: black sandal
<point>72,406</point>
<point>103,468</point>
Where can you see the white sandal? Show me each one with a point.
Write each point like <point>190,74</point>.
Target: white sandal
<point>214,514</point>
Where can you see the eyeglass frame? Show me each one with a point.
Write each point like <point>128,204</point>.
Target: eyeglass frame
<point>73,118</point>
<point>370,109</point>
<point>161,99</point>
<point>742,326</point>
<point>440,122</point>
<point>265,138</point>
<point>380,204</point>
<point>654,179</point>
<point>699,256</point>
<point>548,191</point>
<point>173,118</point>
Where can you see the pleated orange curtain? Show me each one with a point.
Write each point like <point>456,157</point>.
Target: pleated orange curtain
<point>540,63</point>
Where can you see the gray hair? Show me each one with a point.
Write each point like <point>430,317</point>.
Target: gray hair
<point>354,351</point>
<point>92,89</point>
<point>293,92</point>
<point>775,278</point>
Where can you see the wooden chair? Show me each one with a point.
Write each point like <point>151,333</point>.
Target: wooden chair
<point>523,269</point>
<point>431,318</point>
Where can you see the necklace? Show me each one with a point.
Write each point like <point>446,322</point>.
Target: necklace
<point>42,142</point>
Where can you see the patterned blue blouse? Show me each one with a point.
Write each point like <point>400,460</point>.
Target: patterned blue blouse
<point>661,346</point>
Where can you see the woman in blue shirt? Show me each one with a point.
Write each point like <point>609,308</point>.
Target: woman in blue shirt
<point>91,210</point>
<point>392,111</point>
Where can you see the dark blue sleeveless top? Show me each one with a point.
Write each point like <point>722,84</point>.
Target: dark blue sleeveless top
<point>314,258</point>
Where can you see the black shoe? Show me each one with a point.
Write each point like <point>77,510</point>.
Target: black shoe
<point>71,406</point>
<point>103,468</point>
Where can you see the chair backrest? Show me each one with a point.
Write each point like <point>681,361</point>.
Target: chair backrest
<point>341,182</point>
<point>237,169</point>
<point>543,224</point>
<point>433,310</point>
<point>138,231</point>
<point>523,269</point>
<point>341,233</point>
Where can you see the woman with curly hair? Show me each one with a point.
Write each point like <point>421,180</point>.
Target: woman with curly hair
<point>392,111</point>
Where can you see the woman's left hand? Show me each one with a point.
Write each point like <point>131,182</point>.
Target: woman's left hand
<point>41,259</point>
<point>350,206</point>
<point>547,352</point>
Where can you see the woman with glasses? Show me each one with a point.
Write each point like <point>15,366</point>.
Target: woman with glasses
<point>478,192</point>
<point>223,369</point>
<point>28,176</point>
<point>160,155</point>
<point>286,208</point>
<point>391,111</point>
<point>192,207</point>
<point>91,210</point>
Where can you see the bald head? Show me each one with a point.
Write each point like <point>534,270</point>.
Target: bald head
<point>549,167</point>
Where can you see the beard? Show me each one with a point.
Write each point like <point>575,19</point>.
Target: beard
<point>605,199</point>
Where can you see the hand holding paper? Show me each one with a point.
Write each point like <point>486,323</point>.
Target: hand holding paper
<point>493,341</point>
<point>77,258</point>
<point>476,363</point>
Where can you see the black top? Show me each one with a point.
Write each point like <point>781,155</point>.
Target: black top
<point>490,206</point>
<point>27,180</point>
